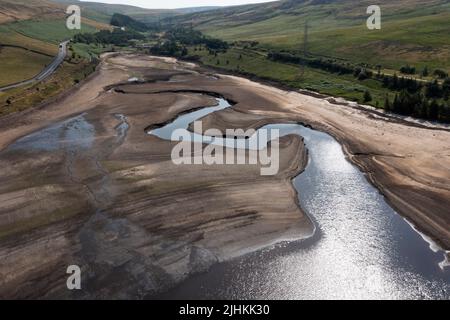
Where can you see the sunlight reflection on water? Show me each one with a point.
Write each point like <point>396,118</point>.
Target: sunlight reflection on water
<point>362,248</point>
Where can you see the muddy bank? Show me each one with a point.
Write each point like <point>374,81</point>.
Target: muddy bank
<point>90,187</point>
<point>409,164</point>
<point>95,190</point>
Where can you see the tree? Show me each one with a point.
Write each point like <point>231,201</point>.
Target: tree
<point>433,111</point>
<point>367,96</point>
<point>120,20</point>
<point>446,88</point>
<point>425,72</point>
<point>395,104</point>
<point>444,113</point>
<point>385,81</point>
<point>440,73</point>
<point>394,84</point>
<point>363,75</point>
<point>379,70</point>
<point>408,69</point>
<point>433,90</point>
<point>387,104</point>
<point>424,109</point>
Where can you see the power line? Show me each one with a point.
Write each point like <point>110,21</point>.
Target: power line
<point>305,40</point>
<point>305,51</point>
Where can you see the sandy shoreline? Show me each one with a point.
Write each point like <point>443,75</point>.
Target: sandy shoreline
<point>410,165</point>
<point>114,206</point>
<point>123,211</point>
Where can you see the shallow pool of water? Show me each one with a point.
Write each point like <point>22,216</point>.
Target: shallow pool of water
<point>74,133</point>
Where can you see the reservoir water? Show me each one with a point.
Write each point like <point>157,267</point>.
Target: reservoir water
<point>362,249</point>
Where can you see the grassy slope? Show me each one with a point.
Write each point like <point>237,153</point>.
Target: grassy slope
<point>313,79</point>
<point>399,41</point>
<point>79,64</point>
<point>40,26</point>
<point>63,79</point>
<point>103,12</point>
<point>50,31</point>
<point>40,35</point>
<point>413,31</point>
<point>14,10</point>
<point>30,64</point>
<point>9,36</point>
<point>86,51</point>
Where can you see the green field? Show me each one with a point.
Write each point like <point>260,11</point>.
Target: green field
<point>256,63</point>
<point>29,96</point>
<point>52,31</point>
<point>30,63</point>
<point>412,31</point>
<point>37,28</point>
<point>10,37</point>
<point>37,35</point>
<point>397,43</point>
<point>79,52</point>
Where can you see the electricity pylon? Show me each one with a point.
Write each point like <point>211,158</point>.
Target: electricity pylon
<point>305,51</point>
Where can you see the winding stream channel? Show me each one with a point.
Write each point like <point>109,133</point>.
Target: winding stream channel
<point>362,249</point>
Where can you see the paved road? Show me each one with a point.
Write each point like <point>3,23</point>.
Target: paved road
<point>44,73</point>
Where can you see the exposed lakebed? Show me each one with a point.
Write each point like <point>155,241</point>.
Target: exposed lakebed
<point>361,248</point>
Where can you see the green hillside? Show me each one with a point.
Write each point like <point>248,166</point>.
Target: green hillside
<point>120,20</point>
<point>31,64</point>
<point>15,10</point>
<point>403,67</point>
<point>30,33</point>
<point>103,12</point>
<point>414,32</point>
<point>408,60</point>
<point>50,31</point>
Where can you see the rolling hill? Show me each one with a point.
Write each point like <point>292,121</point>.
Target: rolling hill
<point>413,31</point>
<point>25,23</point>
<point>30,33</point>
<point>103,12</point>
<point>15,10</point>
<point>22,55</point>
